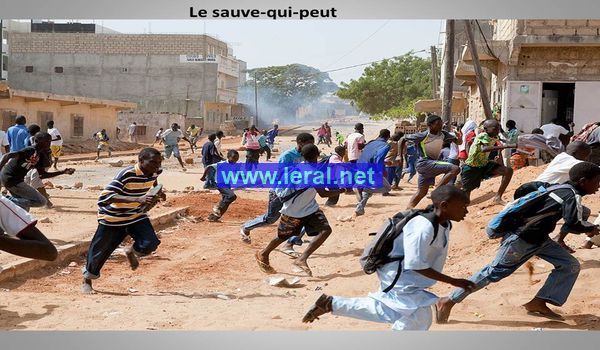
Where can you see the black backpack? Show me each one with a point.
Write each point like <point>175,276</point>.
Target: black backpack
<point>378,252</point>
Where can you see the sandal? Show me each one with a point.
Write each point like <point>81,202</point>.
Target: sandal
<point>291,253</point>
<point>266,268</point>
<point>302,268</point>
<point>320,307</point>
<point>244,237</point>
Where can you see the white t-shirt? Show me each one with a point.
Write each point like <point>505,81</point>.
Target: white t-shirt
<point>3,141</point>
<point>55,133</point>
<point>218,144</point>
<point>131,129</point>
<point>557,171</point>
<point>353,141</point>
<point>553,130</point>
<point>13,219</point>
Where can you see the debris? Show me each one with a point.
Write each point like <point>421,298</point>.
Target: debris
<point>222,297</point>
<point>73,264</point>
<point>66,187</point>
<point>537,329</point>
<point>132,290</point>
<point>45,220</point>
<point>133,161</point>
<point>203,258</point>
<point>282,282</point>
<point>345,218</point>
<point>48,184</point>
<point>166,204</point>
<point>189,188</point>
<point>115,162</point>
<point>318,288</point>
<point>95,188</point>
<point>276,317</point>
<point>189,160</point>
<point>78,185</point>
<point>5,290</point>
<point>65,272</point>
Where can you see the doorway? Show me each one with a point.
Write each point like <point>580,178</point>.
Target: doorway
<point>558,102</point>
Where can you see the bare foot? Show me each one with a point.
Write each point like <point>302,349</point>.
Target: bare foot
<point>443,307</point>
<point>538,307</point>
<point>132,259</point>
<point>564,245</point>
<point>587,245</point>
<point>86,287</point>
<point>302,266</point>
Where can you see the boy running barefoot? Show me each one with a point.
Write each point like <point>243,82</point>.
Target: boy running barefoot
<point>424,245</point>
<point>533,240</point>
<point>227,194</point>
<point>122,208</point>
<point>300,210</point>
<point>478,166</point>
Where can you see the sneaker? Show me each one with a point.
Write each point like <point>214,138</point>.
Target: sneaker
<point>213,218</point>
<point>245,236</point>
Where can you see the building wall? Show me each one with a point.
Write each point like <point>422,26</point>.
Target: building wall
<point>148,123</point>
<point>558,63</point>
<point>94,119</point>
<point>141,68</point>
<point>216,113</point>
<point>546,27</point>
<point>506,29</point>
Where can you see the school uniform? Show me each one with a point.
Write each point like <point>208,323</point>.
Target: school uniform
<point>407,306</point>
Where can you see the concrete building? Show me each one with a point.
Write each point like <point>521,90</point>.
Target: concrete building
<point>191,75</point>
<point>540,70</point>
<point>76,117</point>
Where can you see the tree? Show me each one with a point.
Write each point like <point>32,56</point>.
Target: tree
<point>291,86</point>
<point>390,84</point>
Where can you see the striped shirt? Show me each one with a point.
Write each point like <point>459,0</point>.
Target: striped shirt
<point>131,182</point>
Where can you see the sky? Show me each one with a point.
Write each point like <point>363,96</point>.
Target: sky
<point>325,45</point>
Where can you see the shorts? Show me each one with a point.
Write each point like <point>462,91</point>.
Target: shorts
<point>103,146</point>
<point>472,176</point>
<point>429,169</point>
<point>14,219</point>
<point>172,149</point>
<point>313,224</point>
<point>56,151</point>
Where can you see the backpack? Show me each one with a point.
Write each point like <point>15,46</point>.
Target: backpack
<point>510,219</point>
<point>377,252</point>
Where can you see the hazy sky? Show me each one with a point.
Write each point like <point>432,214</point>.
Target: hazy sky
<point>325,45</point>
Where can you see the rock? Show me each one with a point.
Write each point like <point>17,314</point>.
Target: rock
<point>73,264</point>
<point>345,218</point>
<point>58,187</point>
<point>189,188</point>
<point>133,161</point>
<point>67,187</point>
<point>167,204</point>
<point>222,297</point>
<point>94,188</point>
<point>115,162</point>
<point>203,258</point>
<point>276,317</point>
<point>189,160</point>
<point>282,282</point>
<point>78,185</point>
<point>45,220</point>
<point>48,184</point>
<point>132,290</point>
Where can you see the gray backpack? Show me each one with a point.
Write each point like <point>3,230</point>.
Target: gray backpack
<point>378,252</point>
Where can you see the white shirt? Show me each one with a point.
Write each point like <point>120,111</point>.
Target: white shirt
<point>353,141</point>
<point>14,219</point>
<point>3,141</point>
<point>55,133</point>
<point>553,130</point>
<point>131,129</point>
<point>420,253</point>
<point>218,144</point>
<point>159,133</point>
<point>557,171</point>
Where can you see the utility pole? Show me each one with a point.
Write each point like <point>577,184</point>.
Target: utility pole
<point>187,100</point>
<point>485,100</point>
<point>255,100</point>
<point>434,77</point>
<point>448,71</point>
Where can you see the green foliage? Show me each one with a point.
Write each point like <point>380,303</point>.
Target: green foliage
<point>291,86</point>
<point>388,87</point>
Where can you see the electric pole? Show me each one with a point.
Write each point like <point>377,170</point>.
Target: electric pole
<point>255,100</point>
<point>485,100</point>
<point>434,78</point>
<point>448,71</point>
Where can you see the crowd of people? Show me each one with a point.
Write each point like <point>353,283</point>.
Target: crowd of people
<point>408,252</point>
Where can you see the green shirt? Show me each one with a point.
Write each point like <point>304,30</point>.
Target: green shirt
<point>477,158</point>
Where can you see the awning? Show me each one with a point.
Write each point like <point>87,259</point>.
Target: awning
<point>459,105</point>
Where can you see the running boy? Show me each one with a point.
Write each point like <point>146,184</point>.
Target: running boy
<point>122,210</point>
<point>299,211</point>
<point>407,306</point>
<point>533,240</point>
<point>478,166</point>
<point>227,194</point>
<point>429,144</point>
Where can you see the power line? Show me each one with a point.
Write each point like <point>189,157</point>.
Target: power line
<point>362,42</point>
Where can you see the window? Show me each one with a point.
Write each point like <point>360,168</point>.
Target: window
<point>4,62</point>
<point>43,119</point>
<point>77,123</point>
<point>58,69</point>
<point>8,119</point>
<point>28,69</point>
<point>124,70</point>
<point>140,130</point>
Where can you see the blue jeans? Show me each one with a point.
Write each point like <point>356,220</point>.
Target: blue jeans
<point>366,193</point>
<point>392,173</point>
<point>26,196</point>
<point>107,239</point>
<point>270,217</point>
<point>227,198</point>
<point>411,169</point>
<point>513,253</point>
<point>210,182</point>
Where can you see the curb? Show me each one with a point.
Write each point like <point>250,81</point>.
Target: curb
<point>69,251</point>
